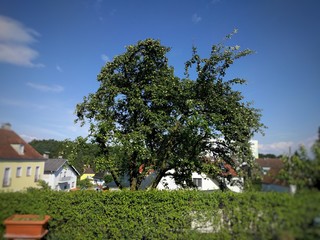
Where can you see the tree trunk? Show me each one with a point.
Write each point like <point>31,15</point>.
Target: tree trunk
<point>133,184</point>
<point>133,172</point>
<point>158,178</point>
<point>116,179</point>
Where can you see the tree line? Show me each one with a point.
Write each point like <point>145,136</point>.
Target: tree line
<point>79,152</point>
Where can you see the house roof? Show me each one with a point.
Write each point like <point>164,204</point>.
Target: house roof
<point>228,170</point>
<point>8,138</point>
<point>53,165</point>
<point>274,165</point>
<point>88,170</point>
<point>100,175</point>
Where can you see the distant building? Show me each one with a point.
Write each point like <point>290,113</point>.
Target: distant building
<point>60,175</point>
<point>270,168</point>
<point>88,173</point>
<point>21,166</point>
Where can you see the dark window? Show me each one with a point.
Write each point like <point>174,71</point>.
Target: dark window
<point>6,178</point>
<point>197,182</point>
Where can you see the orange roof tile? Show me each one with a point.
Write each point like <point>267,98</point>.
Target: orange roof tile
<point>7,152</point>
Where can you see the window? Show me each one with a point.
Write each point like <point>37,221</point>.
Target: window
<point>28,171</point>
<point>6,178</point>
<point>265,170</point>
<point>19,148</point>
<point>72,185</point>
<point>36,174</point>
<point>197,182</point>
<point>19,172</point>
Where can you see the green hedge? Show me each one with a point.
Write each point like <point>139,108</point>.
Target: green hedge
<point>169,214</point>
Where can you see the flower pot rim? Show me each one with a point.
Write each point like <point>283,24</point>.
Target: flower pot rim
<point>27,218</point>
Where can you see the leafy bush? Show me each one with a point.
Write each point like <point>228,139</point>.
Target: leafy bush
<point>84,183</point>
<point>168,214</point>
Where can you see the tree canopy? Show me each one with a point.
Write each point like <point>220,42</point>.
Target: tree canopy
<point>144,117</point>
<point>302,170</point>
<point>78,152</point>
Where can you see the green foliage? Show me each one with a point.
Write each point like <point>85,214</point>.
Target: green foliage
<point>269,155</point>
<point>52,147</point>
<point>108,178</point>
<point>78,152</point>
<point>143,116</point>
<point>301,170</point>
<point>43,185</point>
<point>168,214</point>
<point>315,169</point>
<point>84,183</point>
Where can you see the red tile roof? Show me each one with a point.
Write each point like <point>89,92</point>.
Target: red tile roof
<point>229,171</point>
<point>275,165</point>
<point>7,152</point>
<point>88,170</point>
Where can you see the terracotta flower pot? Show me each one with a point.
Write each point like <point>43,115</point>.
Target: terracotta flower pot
<point>26,226</point>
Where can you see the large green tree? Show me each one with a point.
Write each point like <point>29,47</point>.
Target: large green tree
<point>144,117</point>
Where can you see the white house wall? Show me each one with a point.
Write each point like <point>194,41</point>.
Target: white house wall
<point>207,183</point>
<point>63,179</point>
<point>50,179</point>
<point>235,184</point>
<point>168,183</point>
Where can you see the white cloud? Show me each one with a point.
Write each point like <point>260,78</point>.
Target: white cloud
<point>14,43</point>
<point>105,58</point>
<point>285,146</point>
<point>196,18</point>
<point>276,148</point>
<point>28,138</point>
<point>46,88</point>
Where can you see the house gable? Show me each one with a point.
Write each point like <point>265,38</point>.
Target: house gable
<point>270,168</point>
<point>13,147</point>
<point>21,166</point>
<point>60,175</point>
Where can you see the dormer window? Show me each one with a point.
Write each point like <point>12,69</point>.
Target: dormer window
<point>18,147</point>
<point>265,170</point>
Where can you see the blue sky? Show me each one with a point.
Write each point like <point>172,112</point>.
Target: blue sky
<point>52,51</point>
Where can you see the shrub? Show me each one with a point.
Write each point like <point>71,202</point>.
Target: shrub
<point>168,214</point>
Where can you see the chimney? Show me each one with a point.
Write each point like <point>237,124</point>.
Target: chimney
<point>46,155</point>
<point>6,126</point>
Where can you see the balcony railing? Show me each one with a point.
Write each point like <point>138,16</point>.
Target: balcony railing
<point>64,179</point>
<point>6,182</point>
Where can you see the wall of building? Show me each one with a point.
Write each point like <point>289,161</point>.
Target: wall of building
<point>206,182</point>
<point>22,181</point>
<point>63,179</point>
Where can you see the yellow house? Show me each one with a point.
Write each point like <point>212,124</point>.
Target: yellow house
<point>88,173</point>
<point>21,166</point>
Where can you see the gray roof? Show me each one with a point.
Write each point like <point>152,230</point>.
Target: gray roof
<point>100,175</point>
<point>53,165</point>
